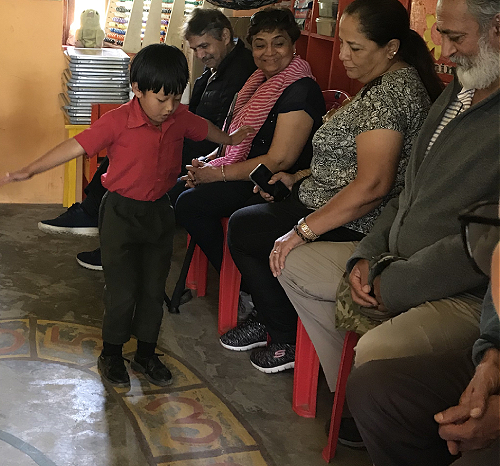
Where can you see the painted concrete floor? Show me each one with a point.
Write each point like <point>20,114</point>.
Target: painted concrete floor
<point>55,411</point>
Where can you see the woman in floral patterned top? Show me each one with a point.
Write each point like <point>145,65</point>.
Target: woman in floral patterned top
<point>358,164</point>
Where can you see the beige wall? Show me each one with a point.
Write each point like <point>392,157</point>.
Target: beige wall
<point>31,121</point>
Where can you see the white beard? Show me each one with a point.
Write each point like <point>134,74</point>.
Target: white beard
<point>480,71</point>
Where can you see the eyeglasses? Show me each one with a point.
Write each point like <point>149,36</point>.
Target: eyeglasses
<point>480,226</point>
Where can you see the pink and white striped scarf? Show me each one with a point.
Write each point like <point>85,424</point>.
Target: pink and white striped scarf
<point>254,103</point>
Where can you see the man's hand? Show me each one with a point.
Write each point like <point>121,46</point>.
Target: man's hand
<point>474,433</point>
<point>378,296</point>
<point>282,246</point>
<point>358,279</point>
<point>470,422</point>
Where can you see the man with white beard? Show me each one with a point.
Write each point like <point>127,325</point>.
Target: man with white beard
<point>424,410</point>
<point>411,271</point>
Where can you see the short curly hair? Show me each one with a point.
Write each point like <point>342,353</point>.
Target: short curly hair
<point>269,19</point>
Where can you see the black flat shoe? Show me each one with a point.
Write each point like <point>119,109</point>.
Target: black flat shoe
<point>113,370</point>
<point>153,369</point>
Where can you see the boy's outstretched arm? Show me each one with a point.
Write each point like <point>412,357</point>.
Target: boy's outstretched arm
<point>220,137</point>
<point>60,154</point>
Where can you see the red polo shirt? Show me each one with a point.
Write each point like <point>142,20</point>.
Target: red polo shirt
<point>144,161</point>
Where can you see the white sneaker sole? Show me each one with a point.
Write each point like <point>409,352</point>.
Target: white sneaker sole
<point>351,444</point>
<point>274,370</point>
<point>89,266</point>
<point>244,348</point>
<point>81,231</point>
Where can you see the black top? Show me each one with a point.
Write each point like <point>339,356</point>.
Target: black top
<point>211,100</point>
<point>304,94</point>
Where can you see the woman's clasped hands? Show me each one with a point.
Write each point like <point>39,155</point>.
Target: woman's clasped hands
<point>201,172</point>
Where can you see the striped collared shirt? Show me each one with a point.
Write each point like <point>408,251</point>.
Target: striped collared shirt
<point>459,105</point>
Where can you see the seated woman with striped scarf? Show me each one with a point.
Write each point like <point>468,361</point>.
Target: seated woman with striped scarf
<point>284,104</point>
<point>359,160</point>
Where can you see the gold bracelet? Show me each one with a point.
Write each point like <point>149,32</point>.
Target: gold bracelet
<point>300,234</point>
<point>223,174</point>
<point>306,231</point>
<point>303,174</point>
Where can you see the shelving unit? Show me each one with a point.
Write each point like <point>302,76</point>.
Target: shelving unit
<point>131,24</point>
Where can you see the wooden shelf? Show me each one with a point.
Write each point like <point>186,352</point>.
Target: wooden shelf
<point>322,52</point>
<point>320,36</point>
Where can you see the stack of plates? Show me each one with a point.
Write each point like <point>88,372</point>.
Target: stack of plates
<point>93,76</point>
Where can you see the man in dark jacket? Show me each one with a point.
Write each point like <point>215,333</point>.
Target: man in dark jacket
<point>228,64</point>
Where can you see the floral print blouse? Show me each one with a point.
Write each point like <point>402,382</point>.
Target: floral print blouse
<point>397,101</point>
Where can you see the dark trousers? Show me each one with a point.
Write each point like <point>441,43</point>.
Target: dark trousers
<point>394,402</point>
<point>251,236</point>
<point>136,248</point>
<point>199,210</point>
<point>95,190</point>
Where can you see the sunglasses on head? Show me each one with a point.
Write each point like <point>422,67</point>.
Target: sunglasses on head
<point>480,226</point>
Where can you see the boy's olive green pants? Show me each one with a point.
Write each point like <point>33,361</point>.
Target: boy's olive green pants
<point>136,248</point>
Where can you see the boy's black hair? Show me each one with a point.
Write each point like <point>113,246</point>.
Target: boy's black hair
<point>160,66</point>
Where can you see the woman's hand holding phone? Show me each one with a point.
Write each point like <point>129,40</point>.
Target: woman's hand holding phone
<point>271,186</point>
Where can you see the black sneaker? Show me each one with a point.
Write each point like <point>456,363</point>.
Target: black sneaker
<point>113,370</point>
<point>349,434</point>
<point>276,357</point>
<point>75,221</point>
<point>249,334</point>
<point>90,260</point>
<point>153,369</point>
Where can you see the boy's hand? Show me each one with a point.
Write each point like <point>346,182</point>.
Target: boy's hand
<point>20,175</point>
<point>240,134</point>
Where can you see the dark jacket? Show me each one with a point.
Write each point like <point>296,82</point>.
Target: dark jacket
<point>211,99</point>
<point>489,327</point>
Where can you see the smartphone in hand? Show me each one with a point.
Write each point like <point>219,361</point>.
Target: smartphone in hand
<point>261,175</point>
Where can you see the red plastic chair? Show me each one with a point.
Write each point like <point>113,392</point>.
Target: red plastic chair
<point>305,383</point>
<point>350,340</point>
<point>196,278</point>
<point>305,374</point>
<point>334,98</point>
<point>229,283</point>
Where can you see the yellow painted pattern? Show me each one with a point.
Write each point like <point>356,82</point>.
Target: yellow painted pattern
<point>186,418</point>
<point>192,420</point>
<point>252,458</point>
<point>14,338</point>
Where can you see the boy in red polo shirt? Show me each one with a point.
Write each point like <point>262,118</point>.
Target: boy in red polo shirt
<point>144,140</point>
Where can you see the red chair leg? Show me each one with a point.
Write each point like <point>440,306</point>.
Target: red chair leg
<point>229,288</point>
<point>350,340</point>
<point>197,274</point>
<point>305,377</point>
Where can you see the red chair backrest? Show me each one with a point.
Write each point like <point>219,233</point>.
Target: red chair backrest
<point>334,98</point>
